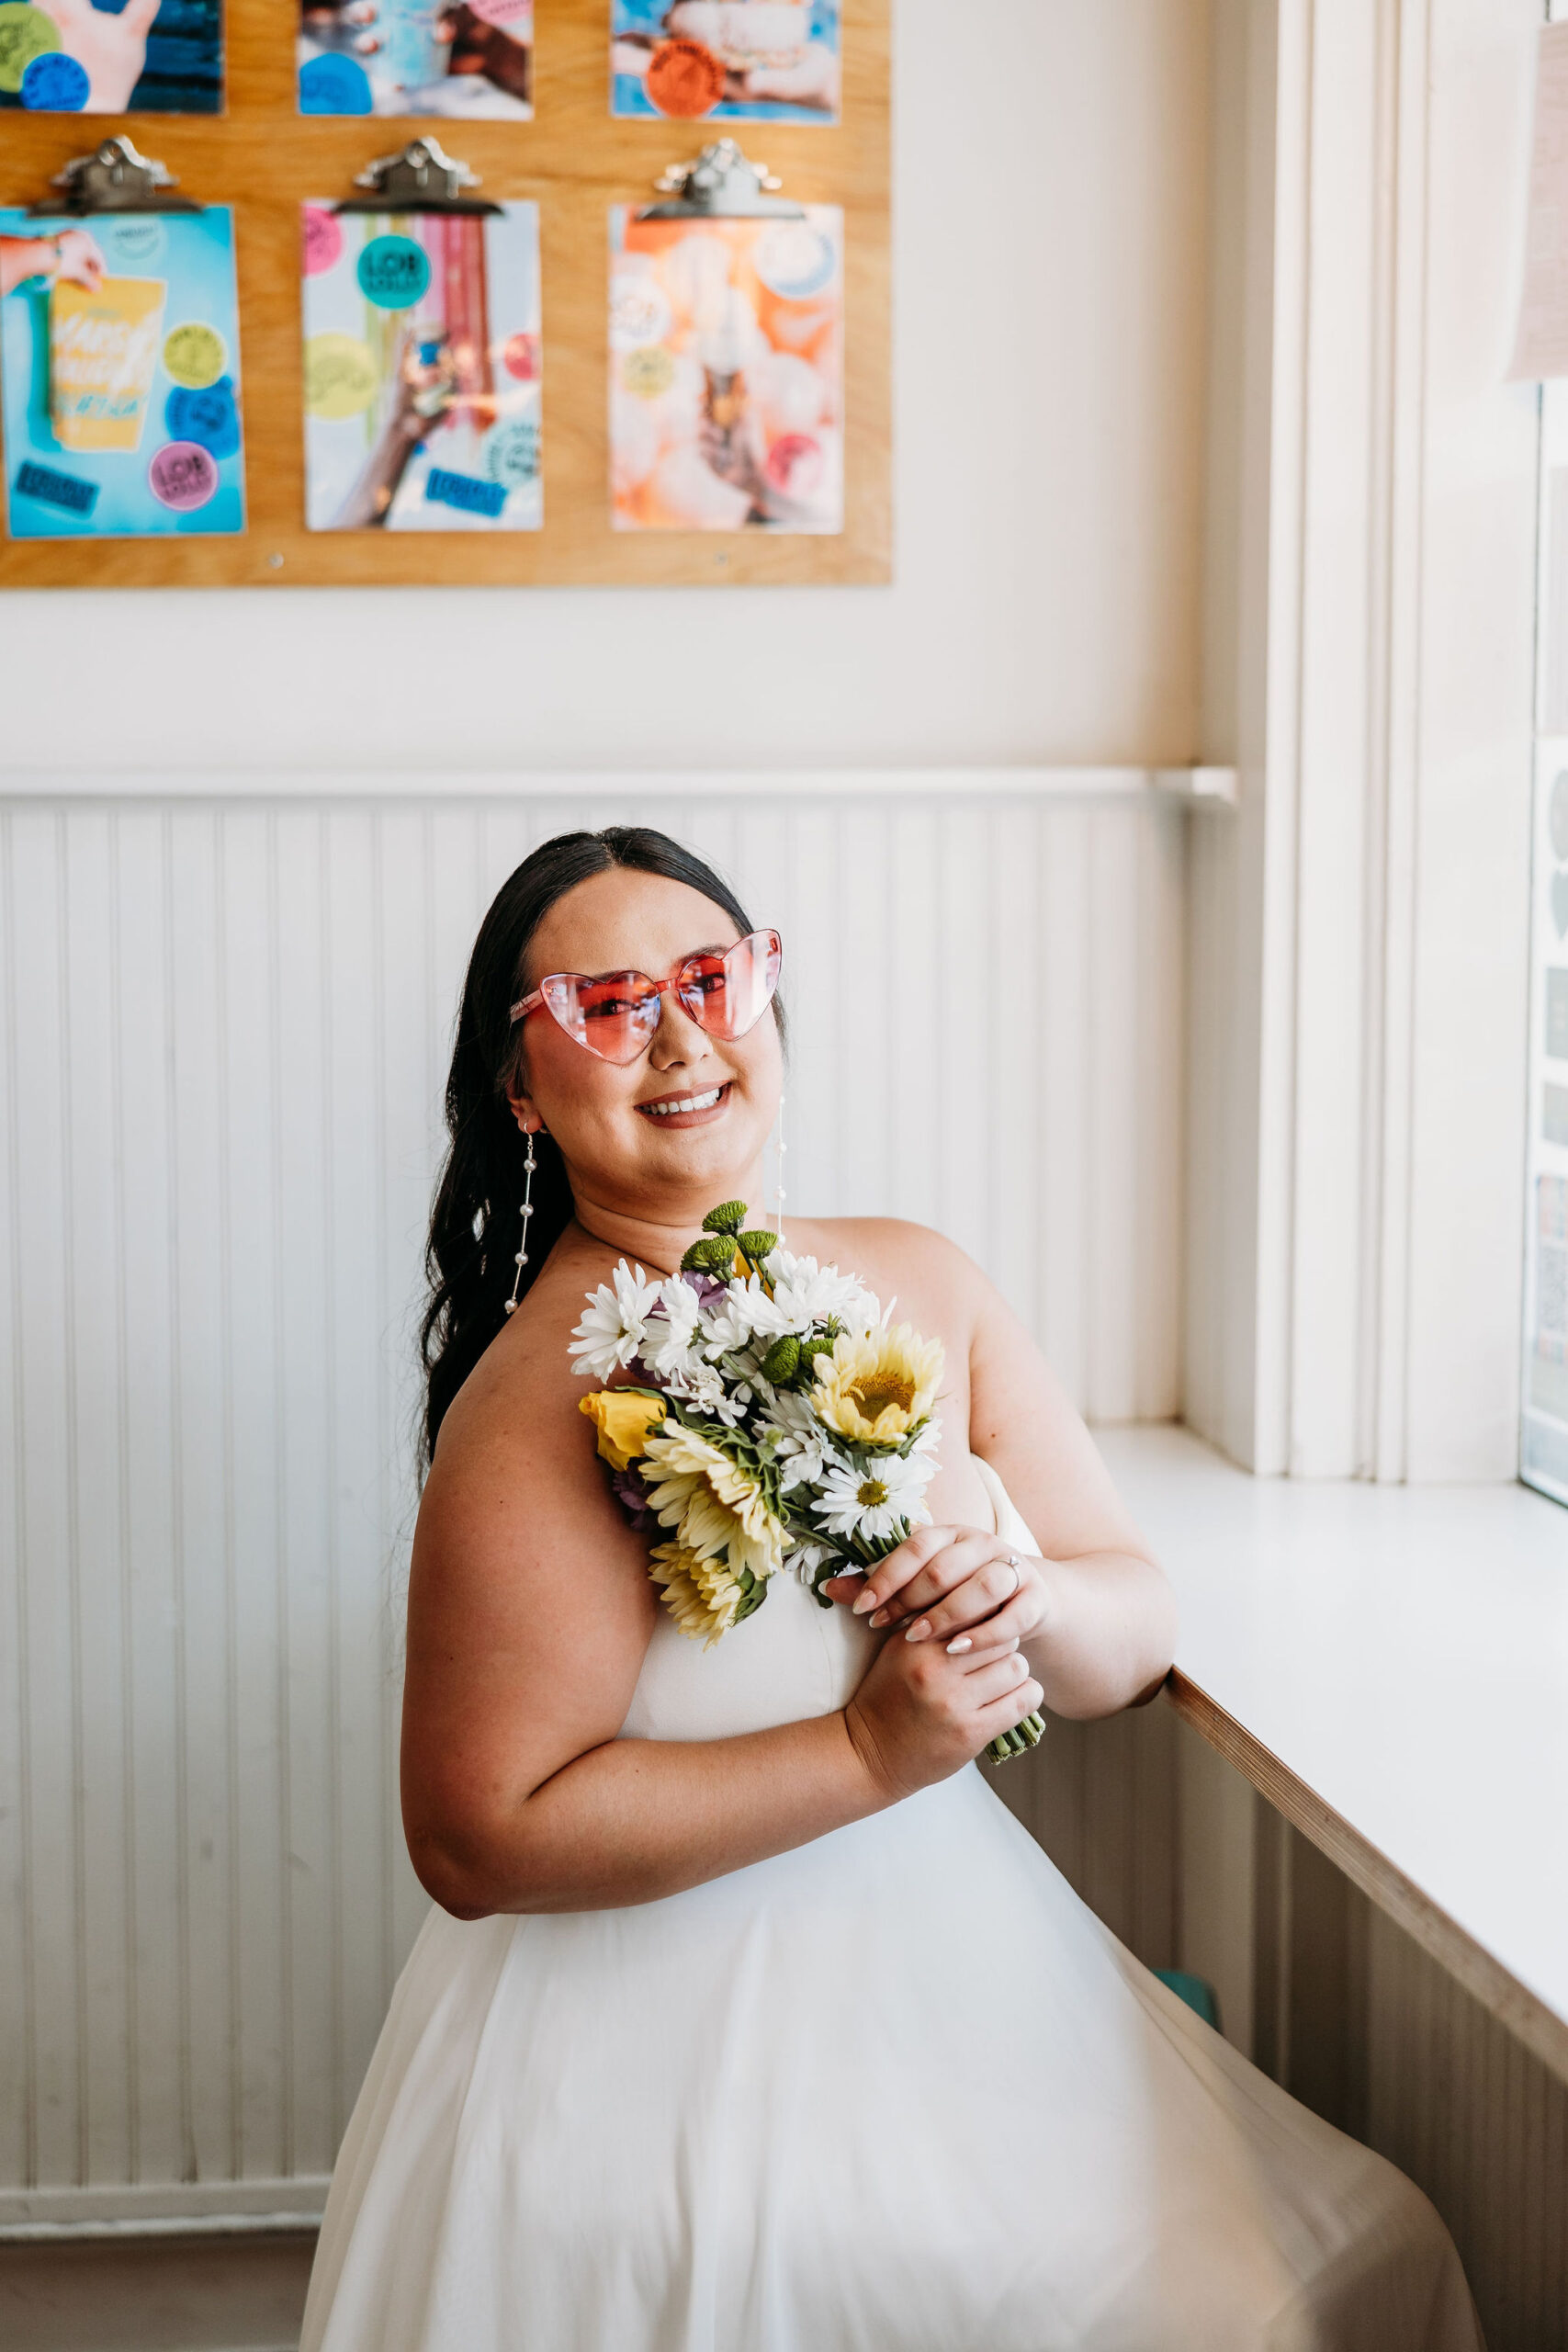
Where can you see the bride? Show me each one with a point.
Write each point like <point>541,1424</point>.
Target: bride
<point>746,2018</point>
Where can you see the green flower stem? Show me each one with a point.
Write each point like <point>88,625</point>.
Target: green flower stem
<point>1017,1742</point>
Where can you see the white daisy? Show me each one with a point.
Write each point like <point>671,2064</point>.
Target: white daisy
<point>806,1293</point>
<point>869,1499</point>
<point>806,1557</point>
<point>616,1325</point>
<point>741,1313</point>
<point>802,1446</point>
<point>674,1328</point>
<point>702,1387</point>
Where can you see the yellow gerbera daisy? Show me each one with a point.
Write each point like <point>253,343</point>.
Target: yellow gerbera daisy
<point>622,1417</point>
<point>875,1388</point>
<point>717,1508</point>
<point>701,1595</point>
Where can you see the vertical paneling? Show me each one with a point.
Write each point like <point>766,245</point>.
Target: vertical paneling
<point>223,1035</point>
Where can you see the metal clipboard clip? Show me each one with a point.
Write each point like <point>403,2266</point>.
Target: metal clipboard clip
<point>721,185</point>
<point>114,178</point>
<point>423,178</point>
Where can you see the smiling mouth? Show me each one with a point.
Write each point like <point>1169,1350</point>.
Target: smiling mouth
<point>678,1106</point>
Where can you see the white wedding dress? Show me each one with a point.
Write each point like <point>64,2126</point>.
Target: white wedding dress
<point>897,2091</point>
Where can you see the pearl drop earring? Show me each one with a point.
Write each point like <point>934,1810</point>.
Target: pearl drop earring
<point>522,1257</point>
<point>782,1149</point>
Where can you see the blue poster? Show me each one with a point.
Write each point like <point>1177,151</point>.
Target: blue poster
<point>725,60</point>
<point>120,376</point>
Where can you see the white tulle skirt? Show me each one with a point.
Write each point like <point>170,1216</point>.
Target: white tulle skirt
<point>897,2092</point>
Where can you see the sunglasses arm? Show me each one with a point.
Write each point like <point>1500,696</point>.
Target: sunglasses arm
<point>525,1005</point>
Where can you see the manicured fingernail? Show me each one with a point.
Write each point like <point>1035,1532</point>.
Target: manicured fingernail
<point>862,1602</point>
<point>883,1617</point>
<point>956,1648</point>
<point>919,1630</point>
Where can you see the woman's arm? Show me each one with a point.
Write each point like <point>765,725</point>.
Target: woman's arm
<point>1095,1615</point>
<point>530,1610</point>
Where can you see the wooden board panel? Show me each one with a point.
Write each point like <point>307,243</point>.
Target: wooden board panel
<point>264,160</point>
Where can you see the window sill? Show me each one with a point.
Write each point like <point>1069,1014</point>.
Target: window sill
<point>1389,1667</point>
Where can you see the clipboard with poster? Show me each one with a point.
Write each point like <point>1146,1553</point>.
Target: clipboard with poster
<point>423,362</point>
<point>119,359</point>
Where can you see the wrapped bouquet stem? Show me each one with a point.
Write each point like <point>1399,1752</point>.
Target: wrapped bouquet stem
<point>774,1418</point>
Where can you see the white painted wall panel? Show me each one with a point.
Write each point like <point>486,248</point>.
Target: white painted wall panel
<point>223,1031</point>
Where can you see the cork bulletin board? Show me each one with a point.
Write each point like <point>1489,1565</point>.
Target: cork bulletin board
<point>264,159</point>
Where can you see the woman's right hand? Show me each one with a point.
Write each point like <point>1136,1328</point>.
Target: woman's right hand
<point>920,1715</point>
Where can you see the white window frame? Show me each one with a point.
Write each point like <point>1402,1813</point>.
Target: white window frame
<point>1358,1058</point>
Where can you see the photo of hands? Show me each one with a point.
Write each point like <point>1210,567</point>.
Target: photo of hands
<point>148,57</point>
<point>725,60</point>
<point>468,60</point>
<point>423,370</point>
<point>725,373</point>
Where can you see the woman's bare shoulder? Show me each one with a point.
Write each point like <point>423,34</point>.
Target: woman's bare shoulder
<point>919,1267</point>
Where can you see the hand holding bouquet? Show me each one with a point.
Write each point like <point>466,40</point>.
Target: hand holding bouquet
<point>775,1419</point>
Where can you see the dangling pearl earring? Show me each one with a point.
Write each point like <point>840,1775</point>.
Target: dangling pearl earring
<point>782,1149</point>
<point>522,1257</point>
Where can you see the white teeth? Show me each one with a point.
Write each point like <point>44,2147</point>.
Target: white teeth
<point>683,1102</point>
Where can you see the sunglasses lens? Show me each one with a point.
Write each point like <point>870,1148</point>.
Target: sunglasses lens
<point>614,1016</point>
<point>728,994</point>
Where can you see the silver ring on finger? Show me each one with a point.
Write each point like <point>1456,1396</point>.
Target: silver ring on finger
<point>1017,1572</point>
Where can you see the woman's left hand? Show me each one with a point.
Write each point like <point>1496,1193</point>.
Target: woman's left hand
<point>942,1582</point>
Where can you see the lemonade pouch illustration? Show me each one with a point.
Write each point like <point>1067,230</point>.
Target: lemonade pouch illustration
<point>103,354</point>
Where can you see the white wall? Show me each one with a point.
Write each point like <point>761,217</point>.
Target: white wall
<point>1048,202</point>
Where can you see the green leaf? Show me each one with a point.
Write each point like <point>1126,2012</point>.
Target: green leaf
<point>728,1217</point>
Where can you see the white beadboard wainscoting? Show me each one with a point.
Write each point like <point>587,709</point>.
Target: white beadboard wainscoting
<point>224,1017</point>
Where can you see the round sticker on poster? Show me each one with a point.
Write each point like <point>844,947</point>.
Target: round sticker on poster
<point>183,476</point>
<point>511,452</point>
<point>639,310</point>
<point>323,240</point>
<point>24,33</point>
<point>393,273</point>
<point>684,79</point>
<point>793,260</point>
<point>133,242</point>
<point>194,355</point>
<point>649,373</point>
<point>520,357</point>
<point>55,84</point>
<point>335,85</point>
<point>208,416</point>
<point>340,377</point>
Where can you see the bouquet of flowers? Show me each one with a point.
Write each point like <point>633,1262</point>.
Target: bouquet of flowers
<point>775,1417</point>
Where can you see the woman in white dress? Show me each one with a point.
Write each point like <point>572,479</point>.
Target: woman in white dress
<point>748,2019</point>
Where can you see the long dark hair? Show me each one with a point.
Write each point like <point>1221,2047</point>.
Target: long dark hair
<point>469,1257</point>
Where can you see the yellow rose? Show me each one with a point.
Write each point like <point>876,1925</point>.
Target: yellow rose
<point>624,1417</point>
<point>873,1390</point>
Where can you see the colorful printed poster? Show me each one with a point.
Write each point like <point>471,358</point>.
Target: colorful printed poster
<point>725,373</point>
<point>468,60</point>
<point>120,376</point>
<point>725,60</point>
<point>146,57</point>
<point>422,370</point>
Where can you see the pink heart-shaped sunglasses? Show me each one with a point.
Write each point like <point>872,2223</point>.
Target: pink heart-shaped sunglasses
<point>615,1014</point>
